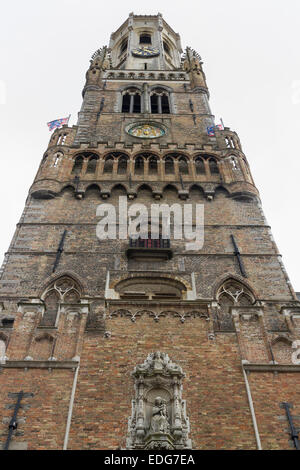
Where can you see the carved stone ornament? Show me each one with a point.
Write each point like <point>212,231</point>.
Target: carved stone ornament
<point>146,130</point>
<point>158,419</point>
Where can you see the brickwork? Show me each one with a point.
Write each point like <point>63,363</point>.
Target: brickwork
<point>67,297</point>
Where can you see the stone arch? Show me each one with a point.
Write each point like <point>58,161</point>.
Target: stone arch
<point>131,100</point>
<point>139,164</point>
<point>236,290</point>
<point>150,287</point>
<point>281,339</point>
<point>169,165</point>
<point>44,336</point>
<point>213,166</point>
<point>170,187</point>
<point>63,289</point>
<point>221,191</point>
<point>77,164</point>
<point>160,100</point>
<point>93,161</point>
<point>196,187</point>
<point>119,189</point>
<point>282,349</point>
<point>179,279</point>
<point>82,285</point>
<point>69,189</point>
<point>199,165</point>
<point>231,293</point>
<point>108,163</point>
<point>145,187</point>
<point>123,161</point>
<point>92,190</point>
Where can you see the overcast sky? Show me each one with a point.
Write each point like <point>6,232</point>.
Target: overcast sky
<point>250,50</point>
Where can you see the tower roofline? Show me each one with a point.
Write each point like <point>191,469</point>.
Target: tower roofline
<point>146,17</point>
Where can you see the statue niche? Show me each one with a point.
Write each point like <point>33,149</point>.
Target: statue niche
<point>158,419</point>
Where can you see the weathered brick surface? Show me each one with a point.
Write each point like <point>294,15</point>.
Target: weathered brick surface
<point>120,309</point>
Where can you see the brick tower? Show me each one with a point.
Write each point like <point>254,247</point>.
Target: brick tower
<point>142,343</point>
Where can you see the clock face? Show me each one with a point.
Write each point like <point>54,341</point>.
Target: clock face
<point>145,52</point>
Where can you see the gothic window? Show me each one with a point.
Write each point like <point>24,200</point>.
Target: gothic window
<point>131,101</point>
<point>145,38</point>
<point>234,163</point>
<point>166,48</point>
<point>108,164</point>
<point>61,139</point>
<point>63,290</point>
<point>231,293</point>
<point>213,167</point>
<point>57,158</point>
<point>124,45</point>
<point>77,166</point>
<point>139,165</point>
<point>92,164</point>
<point>183,166</point>
<point>159,100</point>
<point>169,165</point>
<point>228,142</point>
<point>122,164</point>
<point>152,165</point>
<point>200,166</point>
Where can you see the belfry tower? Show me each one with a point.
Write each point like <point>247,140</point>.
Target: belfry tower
<point>141,343</point>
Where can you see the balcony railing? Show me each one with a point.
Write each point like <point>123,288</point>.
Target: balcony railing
<point>149,243</point>
<point>150,248</point>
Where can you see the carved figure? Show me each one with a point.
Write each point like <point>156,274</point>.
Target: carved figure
<point>159,420</point>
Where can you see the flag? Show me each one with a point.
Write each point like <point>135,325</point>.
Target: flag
<point>58,123</point>
<point>211,129</point>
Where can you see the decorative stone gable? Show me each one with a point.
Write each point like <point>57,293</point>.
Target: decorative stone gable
<point>158,419</point>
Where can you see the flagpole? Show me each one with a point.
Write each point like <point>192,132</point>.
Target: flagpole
<point>222,123</point>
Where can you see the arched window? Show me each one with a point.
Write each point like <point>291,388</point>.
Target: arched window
<point>166,48</point>
<point>169,165</point>
<point>152,165</point>
<point>183,166</point>
<point>200,166</point>
<point>213,167</point>
<point>63,290</point>
<point>122,164</point>
<point>61,139</point>
<point>145,38</point>
<point>139,165</point>
<point>231,293</point>
<point>124,45</point>
<point>151,288</point>
<point>131,101</point>
<point>108,164</point>
<point>159,100</point>
<point>92,164</point>
<point>57,157</point>
<point>77,167</point>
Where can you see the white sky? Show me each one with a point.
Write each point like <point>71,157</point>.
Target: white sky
<point>251,59</point>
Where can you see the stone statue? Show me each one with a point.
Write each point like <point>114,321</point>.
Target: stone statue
<point>158,361</point>
<point>159,419</point>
